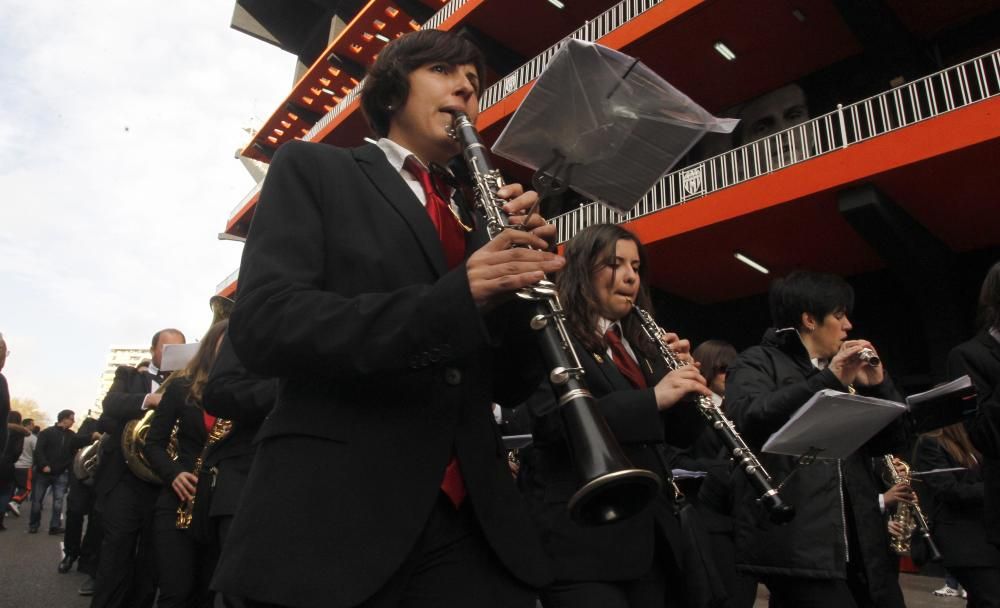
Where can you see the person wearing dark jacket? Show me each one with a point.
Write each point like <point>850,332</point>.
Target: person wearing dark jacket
<point>80,505</point>
<point>245,399</point>
<point>956,512</point>
<point>833,553</point>
<point>4,394</point>
<point>8,456</point>
<point>125,571</point>
<point>980,359</point>
<point>392,329</point>
<point>635,563</point>
<point>53,457</point>
<point>184,565</point>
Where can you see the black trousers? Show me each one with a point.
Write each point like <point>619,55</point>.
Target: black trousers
<point>451,566</point>
<point>184,567</point>
<point>789,592</point>
<point>80,506</point>
<point>651,590</point>
<point>126,577</point>
<point>982,584</point>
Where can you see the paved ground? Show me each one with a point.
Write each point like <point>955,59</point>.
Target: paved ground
<point>28,576</point>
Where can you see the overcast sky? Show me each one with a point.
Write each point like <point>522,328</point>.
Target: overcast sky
<point>118,125</point>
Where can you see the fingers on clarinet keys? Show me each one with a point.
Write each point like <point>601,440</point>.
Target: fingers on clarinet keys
<point>870,357</point>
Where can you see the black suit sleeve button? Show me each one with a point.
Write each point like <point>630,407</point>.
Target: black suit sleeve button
<point>452,376</point>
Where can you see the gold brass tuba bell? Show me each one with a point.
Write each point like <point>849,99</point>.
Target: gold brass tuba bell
<point>134,434</point>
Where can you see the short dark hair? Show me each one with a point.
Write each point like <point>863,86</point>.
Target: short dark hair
<point>989,298</point>
<point>816,293</point>
<point>14,417</point>
<point>63,415</point>
<point>168,330</point>
<point>28,421</point>
<point>387,84</point>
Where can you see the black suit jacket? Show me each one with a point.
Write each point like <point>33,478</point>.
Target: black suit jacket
<point>980,358</point>
<point>122,403</point>
<point>955,508</point>
<point>621,551</point>
<point>244,398</point>
<point>175,409</point>
<point>387,368</point>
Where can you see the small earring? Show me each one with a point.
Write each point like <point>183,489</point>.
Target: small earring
<point>389,108</point>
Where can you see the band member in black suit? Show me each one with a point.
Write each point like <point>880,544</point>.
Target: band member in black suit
<point>635,563</point>
<point>833,553</point>
<point>80,505</point>
<point>125,575</point>
<point>183,565</point>
<point>980,359</point>
<point>392,330</point>
<point>245,399</point>
<point>956,512</point>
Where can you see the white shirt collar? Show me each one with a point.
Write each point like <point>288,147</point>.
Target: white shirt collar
<point>394,153</point>
<point>153,369</point>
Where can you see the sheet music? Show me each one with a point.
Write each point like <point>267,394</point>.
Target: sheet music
<point>833,424</point>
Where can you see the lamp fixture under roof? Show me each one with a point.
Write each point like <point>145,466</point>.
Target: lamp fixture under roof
<point>724,50</point>
<point>751,263</point>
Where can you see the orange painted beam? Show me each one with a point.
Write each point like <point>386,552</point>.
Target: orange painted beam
<point>955,130</point>
<point>229,290</point>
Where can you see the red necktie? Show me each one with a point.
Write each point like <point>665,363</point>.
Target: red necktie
<point>624,361</point>
<point>208,419</point>
<point>449,231</point>
<point>453,241</point>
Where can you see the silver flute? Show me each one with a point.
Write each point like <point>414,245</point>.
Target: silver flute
<point>611,488</point>
<point>777,508</point>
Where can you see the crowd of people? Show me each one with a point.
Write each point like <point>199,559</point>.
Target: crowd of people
<point>337,440</point>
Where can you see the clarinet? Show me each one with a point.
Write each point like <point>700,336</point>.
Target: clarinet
<point>612,489</point>
<point>780,512</point>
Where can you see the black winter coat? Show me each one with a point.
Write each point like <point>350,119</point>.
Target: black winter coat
<point>765,386</point>
<point>55,449</point>
<point>955,508</point>
<point>980,358</point>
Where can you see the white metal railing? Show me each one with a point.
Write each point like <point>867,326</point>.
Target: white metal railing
<point>907,104</point>
<point>226,282</point>
<point>591,31</point>
<point>246,199</point>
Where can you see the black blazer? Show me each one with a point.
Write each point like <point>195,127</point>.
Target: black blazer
<point>175,409</point>
<point>980,358</point>
<point>955,508</point>
<point>621,551</point>
<point>245,399</point>
<point>344,294</point>
<point>122,403</point>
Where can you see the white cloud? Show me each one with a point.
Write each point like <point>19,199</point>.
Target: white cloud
<point>117,132</point>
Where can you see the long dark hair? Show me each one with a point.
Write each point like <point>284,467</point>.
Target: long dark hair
<point>589,251</point>
<point>955,440</point>
<point>989,299</point>
<point>200,365</point>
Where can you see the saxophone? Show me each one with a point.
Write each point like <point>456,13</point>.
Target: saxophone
<point>909,516</point>
<point>185,510</point>
<point>612,489</point>
<point>780,512</point>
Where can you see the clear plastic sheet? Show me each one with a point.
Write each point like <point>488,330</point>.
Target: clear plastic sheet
<point>604,123</point>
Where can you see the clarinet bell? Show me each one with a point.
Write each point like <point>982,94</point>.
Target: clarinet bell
<point>613,490</point>
<point>778,511</point>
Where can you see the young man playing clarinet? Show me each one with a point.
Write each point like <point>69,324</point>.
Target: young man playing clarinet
<point>393,330</point>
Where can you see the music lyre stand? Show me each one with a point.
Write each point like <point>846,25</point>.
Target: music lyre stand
<point>604,124</point>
